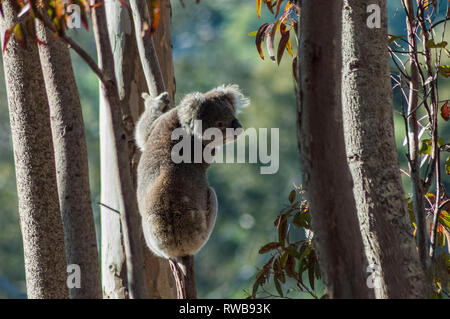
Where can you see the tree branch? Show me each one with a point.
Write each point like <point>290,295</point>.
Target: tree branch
<point>147,53</point>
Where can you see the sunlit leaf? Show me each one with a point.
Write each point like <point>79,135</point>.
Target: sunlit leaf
<point>59,8</point>
<point>425,147</point>
<point>19,35</point>
<point>6,38</point>
<point>431,45</point>
<point>154,8</point>
<point>289,47</point>
<point>444,219</point>
<point>258,7</point>
<point>444,70</point>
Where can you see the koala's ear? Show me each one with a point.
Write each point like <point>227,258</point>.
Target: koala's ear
<point>233,92</point>
<point>189,108</point>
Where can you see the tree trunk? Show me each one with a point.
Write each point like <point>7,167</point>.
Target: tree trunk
<point>41,224</point>
<point>372,156</point>
<point>321,141</point>
<point>71,163</point>
<point>161,281</point>
<point>130,85</point>
<point>127,203</point>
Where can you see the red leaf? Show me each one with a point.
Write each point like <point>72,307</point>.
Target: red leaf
<point>278,7</point>
<point>6,38</point>
<point>260,38</point>
<point>282,45</point>
<point>294,69</point>
<point>445,111</point>
<point>123,3</point>
<point>154,8</point>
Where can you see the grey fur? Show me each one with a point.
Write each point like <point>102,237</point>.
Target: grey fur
<point>176,203</point>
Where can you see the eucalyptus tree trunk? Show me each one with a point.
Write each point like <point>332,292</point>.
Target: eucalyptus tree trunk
<point>71,163</point>
<point>159,276</point>
<point>130,86</point>
<point>371,153</point>
<point>321,141</point>
<point>40,218</point>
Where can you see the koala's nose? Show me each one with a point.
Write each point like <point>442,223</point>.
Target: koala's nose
<point>236,124</point>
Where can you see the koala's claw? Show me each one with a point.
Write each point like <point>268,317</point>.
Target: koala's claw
<point>164,101</point>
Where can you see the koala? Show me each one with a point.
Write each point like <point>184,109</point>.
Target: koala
<point>177,206</point>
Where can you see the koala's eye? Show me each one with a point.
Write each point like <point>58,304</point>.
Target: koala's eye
<point>220,124</point>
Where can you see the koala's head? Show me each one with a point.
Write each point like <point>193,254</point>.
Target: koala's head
<point>216,109</point>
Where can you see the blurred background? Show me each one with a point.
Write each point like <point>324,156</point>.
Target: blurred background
<point>211,47</point>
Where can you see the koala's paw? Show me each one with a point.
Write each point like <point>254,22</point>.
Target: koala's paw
<point>161,102</point>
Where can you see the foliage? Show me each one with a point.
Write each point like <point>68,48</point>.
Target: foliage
<point>289,259</point>
<point>430,148</point>
<point>287,22</point>
<point>60,17</point>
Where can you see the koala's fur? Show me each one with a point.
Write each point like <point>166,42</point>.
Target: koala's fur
<point>177,206</point>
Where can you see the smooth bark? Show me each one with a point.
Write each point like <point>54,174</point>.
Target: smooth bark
<point>127,202</point>
<point>325,170</point>
<point>40,218</point>
<point>71,163</point>
<point>372,157</point>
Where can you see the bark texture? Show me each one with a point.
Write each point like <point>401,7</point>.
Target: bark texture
<point>71,163</point>
<point>41,224</point>
<point>371,151</point>
<point>326,174</point>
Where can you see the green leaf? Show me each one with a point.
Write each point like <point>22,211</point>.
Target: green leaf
<point>292,251</point>
<point>444,219</point>
<point>444,70</point>
<point>425,147</point>
<point>431,45</point>
<point>447,165</point>
<point>394,38</point>
<point>268,247</point>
